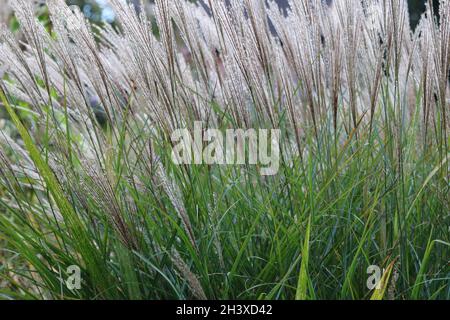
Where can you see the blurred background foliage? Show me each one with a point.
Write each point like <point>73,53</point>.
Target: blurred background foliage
<point>99,12</point>
<point>97,9</point>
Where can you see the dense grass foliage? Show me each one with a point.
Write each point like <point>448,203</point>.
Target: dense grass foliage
<point>87,177</point>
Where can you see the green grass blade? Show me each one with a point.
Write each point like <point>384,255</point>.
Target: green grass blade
<point>303,279</point>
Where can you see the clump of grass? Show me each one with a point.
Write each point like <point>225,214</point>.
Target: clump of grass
<point>362,103</point>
